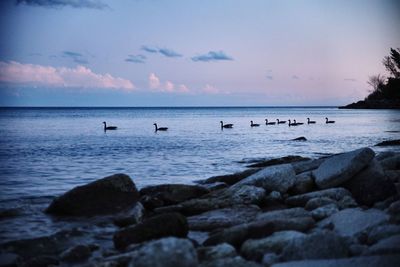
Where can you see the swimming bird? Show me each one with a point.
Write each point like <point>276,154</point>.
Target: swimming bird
<point>298,123</point>
<point>292,124</point>
<point>280,122</point>
<point>328,121</point>
<point>254,124</point>
<point>161,128</point>
<point>269,123</point>
<point>310,122</point>
<point>106,128</point>
<point>229,125</point>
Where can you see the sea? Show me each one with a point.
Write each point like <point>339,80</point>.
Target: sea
<point>47,151</point>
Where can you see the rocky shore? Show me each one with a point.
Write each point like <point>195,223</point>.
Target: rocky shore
<point>339,210</point>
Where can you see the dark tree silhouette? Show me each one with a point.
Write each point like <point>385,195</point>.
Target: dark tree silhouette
<point>392,63</point>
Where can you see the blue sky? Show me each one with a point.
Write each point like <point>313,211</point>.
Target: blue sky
<point>192,53</point>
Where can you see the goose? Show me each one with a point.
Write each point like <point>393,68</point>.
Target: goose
<point>161,128</point>
<point>280,122</point>
<point>229,125</point>
<point>292,124</point>
<point>310,122</point>
<point>254,124</point>
<point>298,123</point>
<point>269,123</point>
<point>106,128</point>
<point>328,121</point>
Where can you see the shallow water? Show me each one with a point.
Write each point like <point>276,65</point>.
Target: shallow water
<point>46,151</point>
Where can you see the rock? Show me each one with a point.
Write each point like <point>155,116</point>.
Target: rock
<point>301,138</point>
<point>370,185</point>
<point>165,252</point>
<point>134,216</point>
<point>340,168</point>
<point>274,178</point>
<point>254,249</point>
<point>390,245</point>
<point>318,202</point>
<point>277,161</point>
<point>174,193</point>
<point>274,196</point>
<point>41,261</point>
<point>303,183</point>
<point>215,186</point>
<point>318,245</point>
<point>324,212</point>
<point>229,179</point>
<point>389,143</point>
<point>394,211</point>
<point>332,193</point>
<point>353,222</point>
<point>283,214</point>
<point>347,202</point>
<point>383,205</point>
<point>151,202</point>
<point>370,261</point>
<point>393,175</point>
<point>383,231</point>
<point>232,196</point>
<point>78,253</point>
<point>232,262</point>
<point>169,224</point>
<point>384,155</point>
<point>220,251</point>
<point>269,259</point>
<point>9,259</point>
<point>357,249</point>
<point>307,165</point>
<point>222,218</point>
<point>108,195</point>
<point>391,163</point>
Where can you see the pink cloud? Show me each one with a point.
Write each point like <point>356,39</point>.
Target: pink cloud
<point>167,87</point>
<point>79,77</point>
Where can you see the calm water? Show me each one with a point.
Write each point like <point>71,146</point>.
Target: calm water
<point>46,151</point>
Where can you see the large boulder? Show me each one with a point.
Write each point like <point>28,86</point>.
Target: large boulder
<point>169,224</point>
<point>303,183</point>
<point>307,165</point>
<point>277,161</point>
<point>390,245</point>
<point>274,178</point>
<point>220,251</point>
<point>332,193</point>
<point>111,194</point>
<point>370,185</point>
<point>391,163</point>
<point>382,232</point>
<point>340,168</point>
<point>229,179</point>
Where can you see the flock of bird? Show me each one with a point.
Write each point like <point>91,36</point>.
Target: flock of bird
<point>230,125</point>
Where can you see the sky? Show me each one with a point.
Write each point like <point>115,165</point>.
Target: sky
<point>193,53</point>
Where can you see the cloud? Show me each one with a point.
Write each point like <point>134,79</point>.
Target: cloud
<point>168,87</point>
<point>136,58</point>
<point>149,49</point>
<point>209,89</point>
<point>169,53</point>
<point>76,57</point>
<point>349,80</point>
<point>154,81</point>
<point>93,4</point>
<point>212,56</point>
<point>79,77</point>
<point>295,77</point>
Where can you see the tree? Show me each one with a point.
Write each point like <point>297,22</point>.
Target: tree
<point>392,63</point>
<point>378,85</point>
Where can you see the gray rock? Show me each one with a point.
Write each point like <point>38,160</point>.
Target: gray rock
<point>254,249</point>
<point>108,195</point>
<point>229,179</point>
<point>357,249</point>
<point>77,253</point>
<point>370,261</point>
<point>391,163</point>
<point>347,202</point>
<point>324,212</point>
<point>383,231</point>
<point>340,168</point>
<point>332,193</point>
<point>234,195</point>
<point>318,245</point>
<point>308,165</point>
<point>220,251</point>
<point>269,259</point>
<point>384,155</point>
<point>165,252</point>
<point>390,245</point>
<point>134,216</point>
<point>353,222</point>
<point>304,183</point>
<point>318,202</point>
<point>274,178</point>
<point>394,211</point>
<point>215,186</point>
<point>393,175</point>
<point>169,224</point>
<point>231,262</point>
<point>370,185</point>
<point>277,161</point>
<point>222,218</point>
<point>42,260</point>
<point>282,214</point>
<point>301,138</point>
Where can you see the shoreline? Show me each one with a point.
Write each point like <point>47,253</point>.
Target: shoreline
<point>271,213</point>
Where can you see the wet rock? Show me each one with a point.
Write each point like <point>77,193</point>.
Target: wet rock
<point>318,245</point>
<point>40,261</point>
<point>390,245</point>
<point>324,212</point>
<point>301,138</point>
<point>370,261</point>
<point>278,161</point>
<point>108,195</point>
<point>78,253</point>
<point>165,252</point>
<point>391,163</point>
<point>318,202</point>
<point>353,222</point>
<point>393,175</point>
<point>220,251</point>
<point>389,143</point>
<point>135,216</point>
<point>383,231</point>
<point>215,186</point>
<point>332,193</point>
<point>9,259</point>
<point>269,259</point>
<point>222,218</point>
<point>274,178</point>
<point>307,165</point>
<point>357,249</point>
<point>347,202</point>
<point>304,183</point>
<point>169,224</point>
<point>232,196</point>
<point>384,155</point>
<point>171,194</point>
<point>233,262</point>
<point>254,249</point>
<point>382,205</point>
<point>340,168</point>
<point>274,196</point>
<point>394,211</point>
<point>282,214</point>
<point>229,179</point>
<point>370,185</point>
<point>151,202</point>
